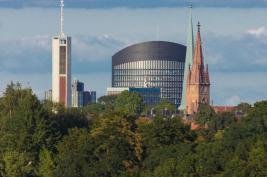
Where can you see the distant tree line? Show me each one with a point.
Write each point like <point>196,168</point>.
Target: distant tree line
<point>113,138</point>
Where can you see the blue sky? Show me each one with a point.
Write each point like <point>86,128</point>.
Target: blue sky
<point>234,41</point>
<point>132,3</point>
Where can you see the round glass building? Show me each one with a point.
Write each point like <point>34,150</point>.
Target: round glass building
<point>155,64</point>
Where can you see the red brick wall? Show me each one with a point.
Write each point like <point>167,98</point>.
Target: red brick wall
<point>62,90</point>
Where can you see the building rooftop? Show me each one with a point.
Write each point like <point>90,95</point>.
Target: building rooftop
<point>223,108</point>
<point>152,50</point>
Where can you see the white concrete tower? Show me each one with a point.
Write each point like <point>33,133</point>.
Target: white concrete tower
<point>61,65</point>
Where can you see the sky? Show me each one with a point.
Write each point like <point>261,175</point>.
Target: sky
<point>91,4</point>
<point>234,36</point>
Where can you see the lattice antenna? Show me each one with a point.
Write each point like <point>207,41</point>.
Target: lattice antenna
<point>62,18</point>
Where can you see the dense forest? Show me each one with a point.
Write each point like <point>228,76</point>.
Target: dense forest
<point>113,138</point>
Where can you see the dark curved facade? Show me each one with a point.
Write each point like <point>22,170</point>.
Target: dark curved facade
<point>156,64</point>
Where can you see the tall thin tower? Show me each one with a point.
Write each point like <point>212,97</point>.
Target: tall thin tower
<point>61,64</point>
<point>189,57</point>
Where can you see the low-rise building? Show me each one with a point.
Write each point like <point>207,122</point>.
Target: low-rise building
<point>89,97</point>
<point>116,90</point>
<point>80,97</point>
<point>150,96</point>
<point>220,109</point>
<point>48,95</point>
<point>77,93</point>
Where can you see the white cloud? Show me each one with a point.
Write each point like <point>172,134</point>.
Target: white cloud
<point>33,54</point>
<point>23,54</point>
<point>248,86</point>
<point>262,61</point>
<point>258,32</point>
<point>233,101</point>
<point>230,53</point>
<point>213,58</point>
<point>95,48</point>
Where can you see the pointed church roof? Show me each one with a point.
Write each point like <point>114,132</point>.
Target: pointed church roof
<point>189,57</point>
<point>198,90</point>
<point>198,56</point>
<point>198,75</point>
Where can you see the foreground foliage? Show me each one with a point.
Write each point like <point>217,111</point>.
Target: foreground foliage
<point>107,140</point>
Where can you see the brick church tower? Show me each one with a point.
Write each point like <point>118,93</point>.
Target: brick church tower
<point>198,82</point>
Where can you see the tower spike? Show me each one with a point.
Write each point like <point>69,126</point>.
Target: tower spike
<point>62,18</point>
<point>189,57</point>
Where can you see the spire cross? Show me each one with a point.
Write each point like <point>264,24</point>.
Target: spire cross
<point>62,18</point>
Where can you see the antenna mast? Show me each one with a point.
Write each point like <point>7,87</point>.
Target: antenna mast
<point>62,18</point>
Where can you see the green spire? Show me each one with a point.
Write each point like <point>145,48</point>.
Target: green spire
<point>189,58</point>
